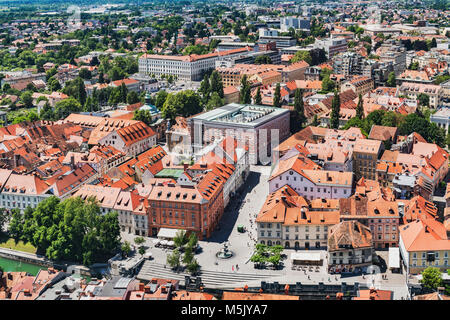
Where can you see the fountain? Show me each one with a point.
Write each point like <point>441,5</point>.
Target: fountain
<point>224,253</point>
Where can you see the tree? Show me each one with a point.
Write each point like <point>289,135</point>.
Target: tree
<point>27,99</point>
<point>193,266</point>
<point>180,239</point>
<point>139,240</point>
<point>161,97</point>
<point>4,218</point>
<point>76,89</point>
<point>360,108</point>
<point>302,56</point>
<point>244,93</point>
<point>263,59</point>
<point>183,103</point>
<point>423,99</point>
<point>277,96</point>
<point>328,85</point>
<point>258,98</point>
<point>315,121</point>
<point>193,240</point>
<point>299,107</point>
<point>431,278</point>
<point>47,112</point>
<point>204,87</point>
<point>318,56</point>
<point>391,82</point>
<point>216,84</point>
<point>85,74</point>
<point>65,107</point>
<point>16,224</point>
<point>123,92</point>
<point>126,248</point>
<point>141,250</point>
<point>144,116</point>
<point>53,84</point>
<point>335,110</point>
<point>214,101</point>
<point>133,97</point>
<point>188,255</point>
<point>429,131</point>
<point>173,260</point>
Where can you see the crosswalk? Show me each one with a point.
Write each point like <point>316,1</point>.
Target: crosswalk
<point>211,279</point>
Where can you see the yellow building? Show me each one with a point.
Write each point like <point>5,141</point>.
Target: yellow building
<point>424,243</point>
<point>365,156</point>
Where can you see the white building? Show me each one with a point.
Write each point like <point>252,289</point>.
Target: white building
<point>190,68</point>
<point>306,178</point>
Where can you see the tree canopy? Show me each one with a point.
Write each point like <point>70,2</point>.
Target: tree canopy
<point>69,230</point>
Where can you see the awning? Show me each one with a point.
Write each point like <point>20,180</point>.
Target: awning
<point>394,257</point>
<point>306,256</point>
<point>168,233</point>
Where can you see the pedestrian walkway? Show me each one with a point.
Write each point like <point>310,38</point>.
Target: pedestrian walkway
<point>211,279</point>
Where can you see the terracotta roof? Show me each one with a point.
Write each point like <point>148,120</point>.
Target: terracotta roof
<point>424,235</point>
<point>351,234</point>
<point>382,133</point>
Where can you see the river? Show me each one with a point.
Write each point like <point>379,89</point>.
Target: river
<point>13,265</point>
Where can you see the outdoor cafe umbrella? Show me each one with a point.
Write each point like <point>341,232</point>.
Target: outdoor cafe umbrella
<point>155,241</point>
<point>170,243</point>
<point>164,242</point>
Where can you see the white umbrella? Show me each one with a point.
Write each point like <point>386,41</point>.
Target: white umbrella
<point>170,243</point>
<point>164,242</point>
<point>155,241</point>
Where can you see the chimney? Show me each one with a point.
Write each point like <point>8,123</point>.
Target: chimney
<point>72,161</point>
<point>185,166</point>
<point>141,286</point>
<point>147,289</point>
<point>16,160</point>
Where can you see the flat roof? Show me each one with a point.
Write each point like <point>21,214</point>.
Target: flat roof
<point>167,172</point>
<point>246,115</point>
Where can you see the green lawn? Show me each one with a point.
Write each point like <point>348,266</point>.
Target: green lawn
<point>20,246</point>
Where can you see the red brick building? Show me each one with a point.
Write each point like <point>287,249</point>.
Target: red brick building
<point>194,208</point>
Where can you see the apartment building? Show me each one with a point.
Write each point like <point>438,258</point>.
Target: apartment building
<point>424,243</point>
<point>20,191</point>
<point>301,23</point>
<point>190,68</point>
<point>306,178</point>
<point>192,208</point>
<point>365,155</point>
<point>412,90</point>
<point>131,207</point>
<point>349,244</point>
<point>380,216</point>
<point>286,219</point>
<point>359,84</point>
